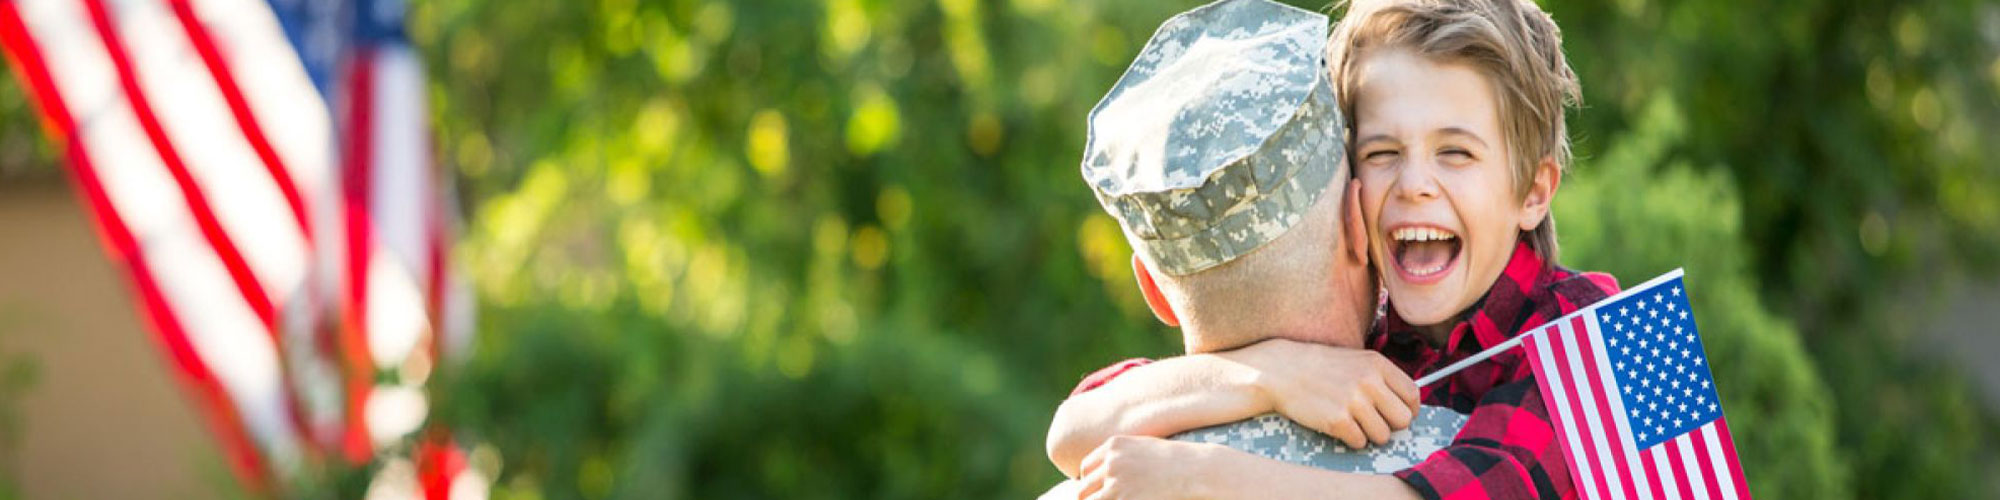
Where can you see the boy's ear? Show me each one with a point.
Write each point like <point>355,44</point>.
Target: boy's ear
<point>1150,290</point>
<point>1353,228</point>
<point>1541,193</point>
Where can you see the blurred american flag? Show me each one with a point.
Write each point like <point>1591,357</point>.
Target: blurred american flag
<point>263,170</point>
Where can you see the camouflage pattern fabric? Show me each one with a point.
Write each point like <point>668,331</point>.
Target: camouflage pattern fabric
<point>1220,136</point>
<point>1281,439</point>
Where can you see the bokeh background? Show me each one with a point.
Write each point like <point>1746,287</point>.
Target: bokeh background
<point>840,249</point>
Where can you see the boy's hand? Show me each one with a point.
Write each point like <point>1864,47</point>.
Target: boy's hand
<point>1354,395</point>
<point>1152,468</point>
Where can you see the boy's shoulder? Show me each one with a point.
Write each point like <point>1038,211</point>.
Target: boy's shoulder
<point>1573,290</point>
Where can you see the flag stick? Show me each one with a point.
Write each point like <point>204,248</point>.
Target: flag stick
<point>1461,364</point>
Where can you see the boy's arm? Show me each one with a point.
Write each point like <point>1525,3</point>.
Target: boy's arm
<point>1155,399</point>
<point>1353,395</point>
<point>1144,467</point>
<point>1506,450</point>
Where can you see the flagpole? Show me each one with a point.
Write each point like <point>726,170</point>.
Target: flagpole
<point>1516,341</point>
<point>1476,358</point>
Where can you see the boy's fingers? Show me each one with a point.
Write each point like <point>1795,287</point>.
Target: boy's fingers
<point>1091,461</point>
<point>1348,432</point>
<point>1400,382</point>
<point>1394,412</point>
<point>1089,486</point>
<point>1371,421</point>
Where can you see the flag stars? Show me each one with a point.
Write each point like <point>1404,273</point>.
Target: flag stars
<point>1677,291</point>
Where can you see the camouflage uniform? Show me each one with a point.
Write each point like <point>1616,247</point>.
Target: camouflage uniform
<point>1278,438</point>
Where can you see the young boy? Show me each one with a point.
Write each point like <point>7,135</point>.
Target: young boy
<point>1459,144</point>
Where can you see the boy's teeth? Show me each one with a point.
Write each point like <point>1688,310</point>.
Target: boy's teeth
<point>1421,234</point>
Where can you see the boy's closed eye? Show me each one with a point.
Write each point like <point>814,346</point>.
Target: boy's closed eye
<point>1456,157</point>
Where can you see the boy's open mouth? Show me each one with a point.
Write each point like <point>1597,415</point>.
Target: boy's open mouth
<point>1423,252</point>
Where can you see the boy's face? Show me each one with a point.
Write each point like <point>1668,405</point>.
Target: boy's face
<point>1437,190</point>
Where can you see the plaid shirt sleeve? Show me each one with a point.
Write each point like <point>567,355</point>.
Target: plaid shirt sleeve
<point>1103,375</point>
<point>1507,449</point>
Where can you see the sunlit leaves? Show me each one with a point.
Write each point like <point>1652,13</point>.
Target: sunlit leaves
<point>768,148</point>
<point>875,122</point>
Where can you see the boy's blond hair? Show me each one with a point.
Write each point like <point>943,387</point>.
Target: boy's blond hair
<point>1513,42</point>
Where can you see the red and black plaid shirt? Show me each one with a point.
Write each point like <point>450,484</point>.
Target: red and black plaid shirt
<point>1507,448</point>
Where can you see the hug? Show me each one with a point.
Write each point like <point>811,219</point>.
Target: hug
<point>1327,217</point>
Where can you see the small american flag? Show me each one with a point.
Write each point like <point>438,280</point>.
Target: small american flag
<point>1635,407</point>
<point>262,171</point>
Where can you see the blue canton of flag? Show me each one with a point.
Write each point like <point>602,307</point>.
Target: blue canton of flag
<point>1658,360</point>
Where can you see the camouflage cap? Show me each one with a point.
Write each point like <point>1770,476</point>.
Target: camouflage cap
<point>1220,136</point>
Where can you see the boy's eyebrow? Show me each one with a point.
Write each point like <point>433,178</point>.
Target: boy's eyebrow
<point>1373,138</point>
<point>1463,132</point>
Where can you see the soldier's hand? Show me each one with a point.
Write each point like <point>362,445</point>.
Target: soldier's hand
<point>1354,395</point>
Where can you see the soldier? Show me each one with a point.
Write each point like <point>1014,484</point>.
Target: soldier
<point>1221,154</point>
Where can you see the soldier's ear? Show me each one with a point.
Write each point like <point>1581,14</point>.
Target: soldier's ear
<point>1154,299</point>
<point>1354,230</point>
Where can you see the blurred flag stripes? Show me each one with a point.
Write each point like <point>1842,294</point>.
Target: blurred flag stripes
<point>263,171</point>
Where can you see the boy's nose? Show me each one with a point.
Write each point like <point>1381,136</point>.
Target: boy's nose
<point>1417,181</point>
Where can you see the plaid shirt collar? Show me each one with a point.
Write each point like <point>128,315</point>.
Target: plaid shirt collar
<point>1530,291</point>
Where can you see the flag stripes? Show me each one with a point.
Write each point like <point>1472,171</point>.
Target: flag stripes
<point>252,224</point>
<point>51,44</point>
